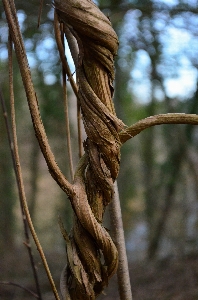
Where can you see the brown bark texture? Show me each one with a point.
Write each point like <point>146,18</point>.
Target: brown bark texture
<point>91,253</point>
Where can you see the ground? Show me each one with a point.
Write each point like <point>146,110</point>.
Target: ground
<point>167,279</point>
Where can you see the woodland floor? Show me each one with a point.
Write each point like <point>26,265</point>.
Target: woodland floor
<point>167,279</point>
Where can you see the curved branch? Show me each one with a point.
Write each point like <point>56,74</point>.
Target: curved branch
<point>170,118</point>
<point>22,190</point>
<point>12,138</point>
<point>54,170</point>
<point>73,46</point>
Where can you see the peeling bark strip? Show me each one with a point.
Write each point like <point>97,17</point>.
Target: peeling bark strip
<point>89,243</point>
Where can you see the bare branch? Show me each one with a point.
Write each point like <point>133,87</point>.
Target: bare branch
<point>171,118</point>
<point>62,54</point>
<point>66,111</point>
<point>73,46</point>
<point>27,239</point>
<point>25,224</point>
<point>54,170</point>
<point>20,180</point>
<point>74,52</point>
<point>80,144</point>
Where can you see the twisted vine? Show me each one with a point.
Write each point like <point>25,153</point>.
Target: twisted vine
<point>90,243</point>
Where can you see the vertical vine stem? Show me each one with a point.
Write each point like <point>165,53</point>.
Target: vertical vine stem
<point>73,46</point>
<point>25,224</point>
<point>62,54</point>
<point>74,51</point>
<point>68,136</point>
<point>124,284</point>
<point>20,179</point>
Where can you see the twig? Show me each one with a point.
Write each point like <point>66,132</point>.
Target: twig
<point>62,54</point>
<point>25,225</point>
<point>124,284</point>
<point>69,150</point>
<point>21,287</point>
<point>73,46</point>
<point>66,67</point>
<point>21,185</point>
<point>170,118</point>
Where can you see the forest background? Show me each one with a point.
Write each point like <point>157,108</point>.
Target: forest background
<point>156,72</point>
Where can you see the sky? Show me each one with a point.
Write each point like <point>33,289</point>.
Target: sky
<point>177,58</point>
<point>178,44</point>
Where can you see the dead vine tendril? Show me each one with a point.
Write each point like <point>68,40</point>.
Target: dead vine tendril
<point>98,169</point>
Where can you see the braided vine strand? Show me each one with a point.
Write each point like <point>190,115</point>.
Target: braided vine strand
<point>92,255</point>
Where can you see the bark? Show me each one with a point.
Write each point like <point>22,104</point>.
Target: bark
<point>93,184</point>
<point>124,284</point>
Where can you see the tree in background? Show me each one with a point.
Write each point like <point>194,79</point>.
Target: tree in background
<point>157,47</point>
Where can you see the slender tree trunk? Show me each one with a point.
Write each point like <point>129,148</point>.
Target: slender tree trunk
<point>124,284</point>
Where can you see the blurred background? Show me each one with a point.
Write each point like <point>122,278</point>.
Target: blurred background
<point>156,72</point>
